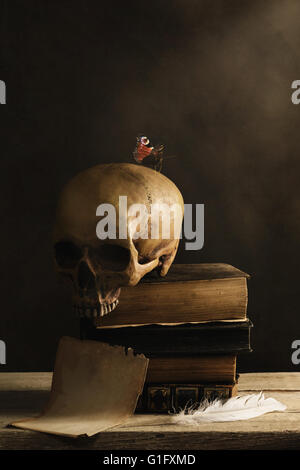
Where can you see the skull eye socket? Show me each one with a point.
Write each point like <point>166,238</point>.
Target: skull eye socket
<point>144,260</point>
<point>112,257</point>
<point>67,254</point>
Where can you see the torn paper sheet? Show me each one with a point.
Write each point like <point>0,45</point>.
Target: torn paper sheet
<point>95,386</point>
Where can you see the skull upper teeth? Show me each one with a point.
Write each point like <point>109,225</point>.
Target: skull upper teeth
<point>87,311</point>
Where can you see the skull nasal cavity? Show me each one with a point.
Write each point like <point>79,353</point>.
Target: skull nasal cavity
<point>86,278</point>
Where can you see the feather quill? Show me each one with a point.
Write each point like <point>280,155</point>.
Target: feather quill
<point>234,409</point>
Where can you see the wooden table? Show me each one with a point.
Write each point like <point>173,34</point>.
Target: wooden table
<point>24,394</point>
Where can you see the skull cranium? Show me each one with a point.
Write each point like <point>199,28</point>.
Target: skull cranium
<point>99,268</point>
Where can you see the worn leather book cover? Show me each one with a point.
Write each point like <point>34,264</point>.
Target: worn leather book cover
<point>178,340</point>
<point>168,397</point>
<point>190,293</point>
<point>196,369</point>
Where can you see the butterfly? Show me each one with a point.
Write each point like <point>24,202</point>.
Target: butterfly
<point>143,150</point>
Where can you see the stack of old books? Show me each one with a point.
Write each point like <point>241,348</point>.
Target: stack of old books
<point>191,325</point>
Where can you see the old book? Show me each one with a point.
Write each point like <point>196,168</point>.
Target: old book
<point>178,340</point>
<point>195,369</point>
<point>190,293</point>
<point>165,397</point>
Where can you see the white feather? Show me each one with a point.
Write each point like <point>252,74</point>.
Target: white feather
<point>234,409</point>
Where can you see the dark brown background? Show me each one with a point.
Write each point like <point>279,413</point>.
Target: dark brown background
<point>212,80</point>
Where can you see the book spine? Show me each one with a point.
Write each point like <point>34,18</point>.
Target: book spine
<point>218,299</point>
<point>162,398</point>
<point>193,369</point>
<point>175,341</point>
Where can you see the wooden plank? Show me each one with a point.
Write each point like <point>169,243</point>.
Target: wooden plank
<point>272,422</point>
<point>25,381</point>
<point>154,441</point>
<point>269,381</point>
<point>23,395</point>
<point>250,381</point>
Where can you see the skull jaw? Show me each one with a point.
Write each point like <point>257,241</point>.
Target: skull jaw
<point>103,297</point>
<point>94,305</point>
<point>100,301</point>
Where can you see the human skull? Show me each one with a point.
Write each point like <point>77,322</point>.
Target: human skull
<point>98,268</point>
